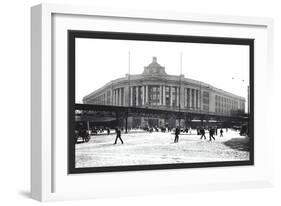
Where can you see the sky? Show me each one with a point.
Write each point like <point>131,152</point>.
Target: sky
<point>98,61</point>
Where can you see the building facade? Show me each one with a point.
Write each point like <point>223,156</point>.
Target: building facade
<point>154,88</point>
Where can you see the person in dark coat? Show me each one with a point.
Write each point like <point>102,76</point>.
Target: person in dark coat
<point>202,131</point>
<point>177,132</point>
<point>118,135</point>
<point>211,133</point>
<point>221,132</point>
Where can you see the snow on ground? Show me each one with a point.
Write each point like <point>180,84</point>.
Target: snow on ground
<point>142,148</point>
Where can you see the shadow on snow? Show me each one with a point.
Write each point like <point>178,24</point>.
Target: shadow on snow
<point>241,144</point>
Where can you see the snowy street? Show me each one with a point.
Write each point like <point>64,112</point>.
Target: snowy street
<point>142,148</point>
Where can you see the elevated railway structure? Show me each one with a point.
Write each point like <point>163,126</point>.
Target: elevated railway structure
<point>119,115</point>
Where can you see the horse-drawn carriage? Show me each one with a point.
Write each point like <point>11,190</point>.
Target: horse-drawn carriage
<point>82,135</point>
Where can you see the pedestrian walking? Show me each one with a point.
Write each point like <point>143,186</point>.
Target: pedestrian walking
<point>177,132</point>
<point>211,134</point>
<point>118,136</point>
<point>202,131</point>
<point>221,133</point>
<point>108,131</point>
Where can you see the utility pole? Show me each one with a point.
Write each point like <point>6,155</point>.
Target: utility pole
<point>180,88</point>
<point>129,92</point>
<point>201,103</point>
<point>129,78</point>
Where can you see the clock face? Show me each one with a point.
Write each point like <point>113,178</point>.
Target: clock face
<point>154,70</point>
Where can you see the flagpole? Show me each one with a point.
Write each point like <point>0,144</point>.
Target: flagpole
<point>181,63</point>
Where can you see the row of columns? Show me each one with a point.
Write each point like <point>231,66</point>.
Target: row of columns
<point>227,104</point>
<point>143,90</point>
<point>191,96</point>
<point>118,97</point>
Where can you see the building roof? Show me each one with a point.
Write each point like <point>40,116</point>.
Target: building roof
<point>154,71</point>
<point>154,68</point>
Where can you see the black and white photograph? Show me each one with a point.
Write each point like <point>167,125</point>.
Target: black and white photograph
<point>157,101</point>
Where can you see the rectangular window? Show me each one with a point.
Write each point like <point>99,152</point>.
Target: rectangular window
<point>206,101</point>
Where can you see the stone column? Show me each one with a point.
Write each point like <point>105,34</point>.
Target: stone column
<point>160,97</point>
<point>115,97</point>
<point>146,94</point>
<point>186,98</point>
<point>131,97</point>
<point>111,96</point>
<point>119,97</point>
<point>190,98</point>
<point>171,97</point>
<point>123,96</point>
<point>182,96</point>
<point>137,96</point>
<point>178,96</point>
<point>198,99</point>
<point>105,97</point>
<point>142,95</point>
<point>126,96</point>
<point>201,99</point>
<point>195,97</point>
<point>164,95</point>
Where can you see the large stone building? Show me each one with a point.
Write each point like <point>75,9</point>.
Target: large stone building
<point>154,88</point>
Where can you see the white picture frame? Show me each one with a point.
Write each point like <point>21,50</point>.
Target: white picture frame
<point>49,178</point>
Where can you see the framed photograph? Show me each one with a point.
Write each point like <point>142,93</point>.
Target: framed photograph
<point>160,114</point>
<point>166,98</point>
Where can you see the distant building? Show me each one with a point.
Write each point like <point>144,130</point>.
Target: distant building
<point>154,88</point>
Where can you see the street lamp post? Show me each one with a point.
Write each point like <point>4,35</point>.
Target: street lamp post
<point>243,82</point>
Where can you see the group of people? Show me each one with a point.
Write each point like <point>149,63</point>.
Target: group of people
<point>118,135</point>
<point>201,131</point>
<point>212,132</point>
<point>95,130</point>
<point>157,129</point>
